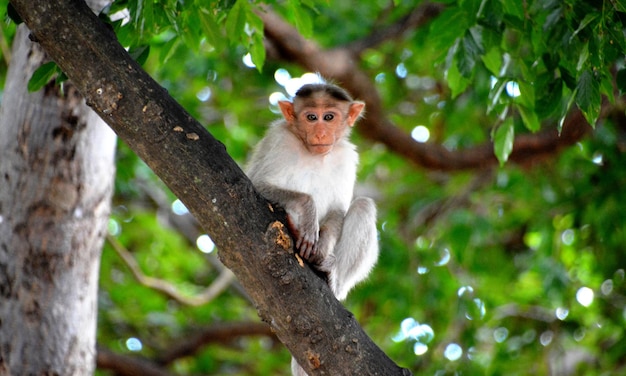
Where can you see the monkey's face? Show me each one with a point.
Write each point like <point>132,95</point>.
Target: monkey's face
<point>320,121</point>
<point>320,127</point>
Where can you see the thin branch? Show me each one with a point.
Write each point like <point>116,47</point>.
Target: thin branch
<point>421,15</point>
<point>132,365</point>
<point>217,287</point>
<point>222,333</point>
<point>126,365</point>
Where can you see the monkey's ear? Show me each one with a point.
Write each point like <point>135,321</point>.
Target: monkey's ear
<point>288,111</point>
<point>356,108</point>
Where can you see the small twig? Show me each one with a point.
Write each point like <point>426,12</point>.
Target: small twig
<point>217,287</point>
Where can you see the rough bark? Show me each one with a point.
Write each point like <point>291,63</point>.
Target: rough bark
<point>322,335</point>
<point>56,179</point>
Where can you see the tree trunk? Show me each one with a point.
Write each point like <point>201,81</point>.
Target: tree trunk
<point>56,180</point>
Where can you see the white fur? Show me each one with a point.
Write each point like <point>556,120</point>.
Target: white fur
<point>329,178</point>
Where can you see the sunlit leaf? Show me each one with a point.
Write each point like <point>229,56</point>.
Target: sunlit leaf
<point>514,8</point>
<point>529,117</point>
<point>303,20</point>
<point>257,52</point>
<point>211,29</point>
<point>503,140</point>
<point>456,81</point>
<point>493,61</point>
<point>236,20</point>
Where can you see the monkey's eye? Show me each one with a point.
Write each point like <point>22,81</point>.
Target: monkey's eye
<point>328,117</point>
<point>311,117</point>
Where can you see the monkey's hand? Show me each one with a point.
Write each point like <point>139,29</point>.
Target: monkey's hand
<point>303,224</point>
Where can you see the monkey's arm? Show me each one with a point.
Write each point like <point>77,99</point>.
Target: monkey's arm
<point>301,216</point>
<point>330,230</point>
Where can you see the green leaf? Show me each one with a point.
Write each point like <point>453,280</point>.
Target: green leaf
<point>42,76</point>
<point>514,8</point>
<point>211,29</point>
<point>606,85</point>
<point>257,47</point>
<point>586,21</point>
<point>530,118</point>
<point>446,28</point>
<point>147,15</point>
<point>236,21</point>
<point>169,48</point>
<point>588,97</point>
<point>467,53</point>
<point>139,53</point>
<point>257,52</point>
<point>456,81</point>
<point>496,93</point>
<point>493,61</point>
<point>503,140</point>
<point>550,92</point>
<point>303,20</point>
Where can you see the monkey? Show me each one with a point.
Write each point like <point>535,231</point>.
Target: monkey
<point>306,164</point>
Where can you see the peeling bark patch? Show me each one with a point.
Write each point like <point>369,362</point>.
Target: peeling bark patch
<point>178,128</point>
<point>299,259</point>
<point>193,136</point>
<point>282,238</point>
<point>314,359</point>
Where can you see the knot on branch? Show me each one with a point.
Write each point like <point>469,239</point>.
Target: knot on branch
<point>278,241</point>
<point>104,99</point>
<point>279,234</point>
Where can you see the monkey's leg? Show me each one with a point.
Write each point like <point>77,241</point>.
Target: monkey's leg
<point>356,251</point>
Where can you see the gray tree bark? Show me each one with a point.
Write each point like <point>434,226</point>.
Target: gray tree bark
<point>56,181</point>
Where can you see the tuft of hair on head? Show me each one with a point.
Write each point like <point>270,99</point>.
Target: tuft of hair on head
<point>333,91</point>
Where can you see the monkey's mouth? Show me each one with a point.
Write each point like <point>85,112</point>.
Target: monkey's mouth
<point>320,148</point>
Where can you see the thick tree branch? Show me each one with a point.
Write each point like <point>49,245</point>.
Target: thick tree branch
<point>340,64</point>
<point>253,243</point>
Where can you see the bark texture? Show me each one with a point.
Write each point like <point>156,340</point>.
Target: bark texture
<point>56,179</point>
<point>253,243</point>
